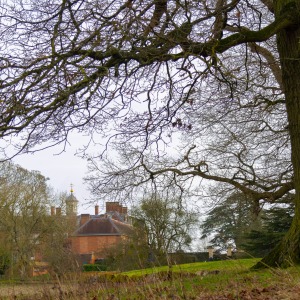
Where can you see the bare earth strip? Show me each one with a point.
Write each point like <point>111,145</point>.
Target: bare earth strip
<point>35,289</point>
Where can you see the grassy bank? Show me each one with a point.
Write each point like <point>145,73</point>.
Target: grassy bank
<point>230,279</point>
<point>240,264</point>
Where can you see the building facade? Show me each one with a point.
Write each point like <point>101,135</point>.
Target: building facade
<point>97,233</point>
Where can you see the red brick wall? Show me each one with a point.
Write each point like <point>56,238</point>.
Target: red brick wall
<point>96,244</point>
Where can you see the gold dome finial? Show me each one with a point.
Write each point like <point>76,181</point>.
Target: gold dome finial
<point>72,191</point>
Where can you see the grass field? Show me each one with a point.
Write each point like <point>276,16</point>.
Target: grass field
<point>231,279</point>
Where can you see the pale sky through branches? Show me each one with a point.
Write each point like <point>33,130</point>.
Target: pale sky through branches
<point>62,169</point>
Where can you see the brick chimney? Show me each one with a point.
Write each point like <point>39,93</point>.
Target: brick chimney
<point>96,210</point>
<point>52,210</point>
<point>58,211</point>
<point>112,206</point>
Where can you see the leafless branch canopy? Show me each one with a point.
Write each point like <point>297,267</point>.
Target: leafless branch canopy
<point>143,73</point>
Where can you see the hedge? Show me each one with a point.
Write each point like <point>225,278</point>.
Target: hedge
<point>94,267</point>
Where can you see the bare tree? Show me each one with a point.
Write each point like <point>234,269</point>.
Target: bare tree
<point>23,216</point>
<point>56,248</point>
<point>168,225</point>
<point>136,71</point>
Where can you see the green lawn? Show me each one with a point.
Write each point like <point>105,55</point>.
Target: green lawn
<point>228,265</point>
<point>228,279</point>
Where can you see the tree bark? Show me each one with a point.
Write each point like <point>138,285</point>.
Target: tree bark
<point>287,252</point>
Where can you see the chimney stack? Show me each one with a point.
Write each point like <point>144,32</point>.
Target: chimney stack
<point>58,211</point>
<point>116,207</point>
<point>112,207</point>
<point>96,210</point>
<point>124,210</point>
<point>52,210</point>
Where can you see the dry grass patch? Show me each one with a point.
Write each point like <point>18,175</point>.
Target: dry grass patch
<point>189,282</point>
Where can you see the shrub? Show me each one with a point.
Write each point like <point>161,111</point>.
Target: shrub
<point>94,267</point>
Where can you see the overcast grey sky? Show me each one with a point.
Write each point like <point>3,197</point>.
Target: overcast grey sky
<point>62,170</point>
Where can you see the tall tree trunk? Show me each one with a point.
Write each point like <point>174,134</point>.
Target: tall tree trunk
<point>287,252</point>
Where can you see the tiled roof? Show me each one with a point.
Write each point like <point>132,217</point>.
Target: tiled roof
<point>101,225</point>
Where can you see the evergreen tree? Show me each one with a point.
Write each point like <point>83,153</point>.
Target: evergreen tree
<point>229,221</point>
<point>276,222</point>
